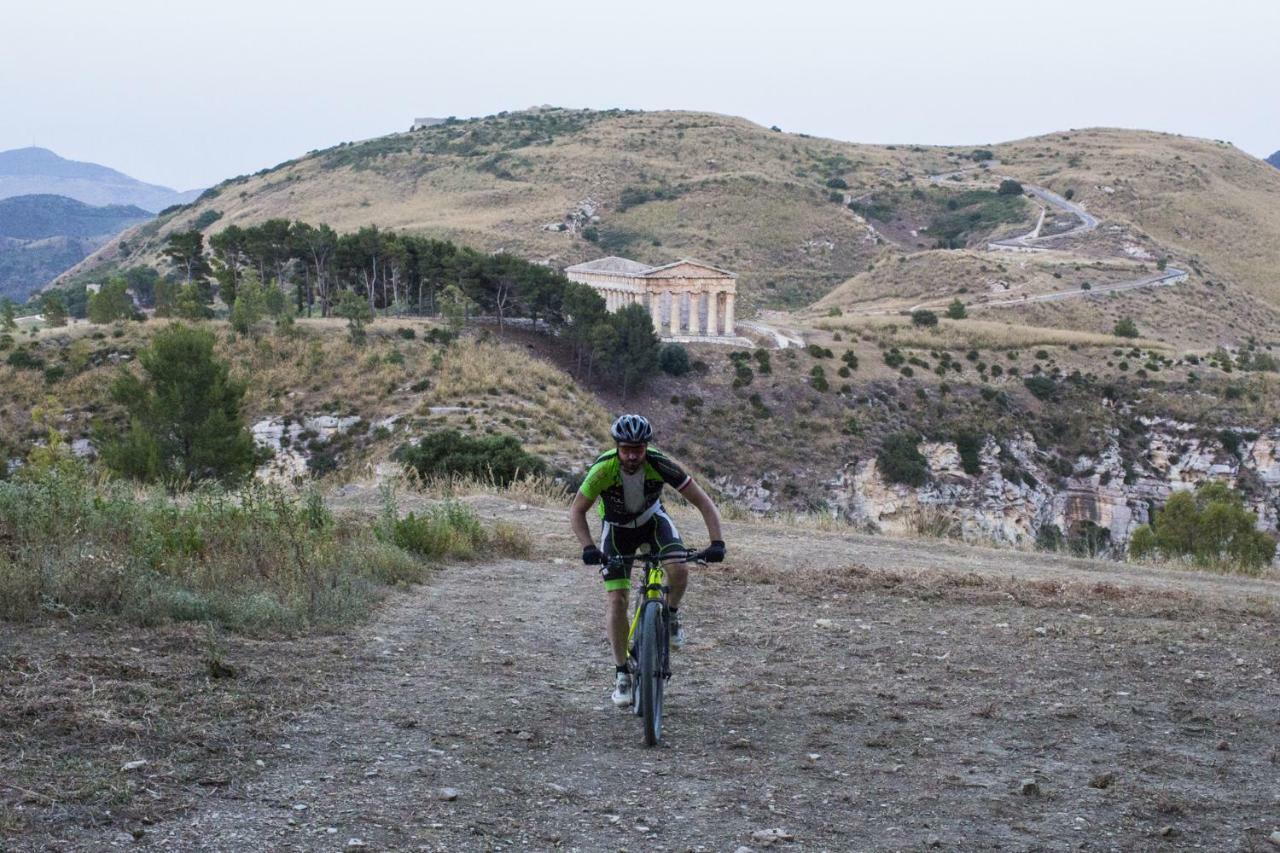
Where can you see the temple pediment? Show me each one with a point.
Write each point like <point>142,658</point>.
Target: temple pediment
<point>688,269</point>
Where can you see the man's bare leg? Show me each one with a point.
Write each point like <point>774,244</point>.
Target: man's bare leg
<point>616,624</point>
<point>678,575</point>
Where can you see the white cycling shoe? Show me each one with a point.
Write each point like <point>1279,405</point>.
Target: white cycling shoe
<point>622,690</point>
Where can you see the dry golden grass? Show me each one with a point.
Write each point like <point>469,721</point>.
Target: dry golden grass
<point>970,334</point>
<point>938,276</point>
<point>475,386</point>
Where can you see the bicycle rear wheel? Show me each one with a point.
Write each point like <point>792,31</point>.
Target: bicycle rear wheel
<point>650,679</point>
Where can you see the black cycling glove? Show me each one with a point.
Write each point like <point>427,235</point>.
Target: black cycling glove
<point>715,554</point>
<point>591,556</point>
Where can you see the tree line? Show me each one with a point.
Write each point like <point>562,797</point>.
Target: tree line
<point>362,274</point>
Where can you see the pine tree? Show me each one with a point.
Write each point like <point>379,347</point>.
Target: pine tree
<point>185,418</point>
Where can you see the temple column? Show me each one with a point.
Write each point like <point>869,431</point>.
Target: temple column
<point>728,313</point>
<point>655,311</point>
<point>713,314</point>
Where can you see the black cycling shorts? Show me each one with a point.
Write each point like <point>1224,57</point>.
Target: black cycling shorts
<point>659,533</point>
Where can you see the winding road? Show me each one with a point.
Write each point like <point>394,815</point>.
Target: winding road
<point>1034,241</point>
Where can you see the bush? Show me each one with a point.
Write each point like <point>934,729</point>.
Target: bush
<point>1009,187</point>
<point>1211,527</point>
<point>448,531</point>
<point>956,310</point>
<point>673,359</point>
<point>900,460</point>
<point>837,184</point>
<point>818,378</point>
<point>447,453</point>
<point>924,318</point>
<point>1126,328</point>
<point>254,559</point>
<point>969,444</point>
<point>1042,387</point>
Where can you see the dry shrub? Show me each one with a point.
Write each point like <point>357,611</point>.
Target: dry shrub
<point>932,522</point>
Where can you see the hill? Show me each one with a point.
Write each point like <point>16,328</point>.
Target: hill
<point>39,171</point>
<point>1274,159</point>
<point>41,236</point>
<point>562,186</point>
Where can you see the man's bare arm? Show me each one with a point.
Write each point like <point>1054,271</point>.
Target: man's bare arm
<point>710,513</point>
<point>578,520</point>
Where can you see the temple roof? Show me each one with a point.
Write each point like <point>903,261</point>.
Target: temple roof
<point>624,266</point>
<point>612,264</point>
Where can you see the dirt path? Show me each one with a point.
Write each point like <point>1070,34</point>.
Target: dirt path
<point>897,697</point>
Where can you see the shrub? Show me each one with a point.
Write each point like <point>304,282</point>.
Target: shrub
<point>969,444</point>
<point>956,310</point>
<point>1009,187</point>
<point>448,531</point>
<point>1125,328</point>
<point>1069,194</point>
<point>850,359</point>
<point>253,559</point>
<point>449,452</point>
<point>900,460</point>
<point>673,359</point>
<point>837,183</point>
<point>1042,387</point>
<point>924,318</point>
<point>1211,527</point>
<point>818,378</point>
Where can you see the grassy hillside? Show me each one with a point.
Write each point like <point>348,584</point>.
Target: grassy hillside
<point>854,227</point>
<point>1204,201</point>
<point>399,385</point>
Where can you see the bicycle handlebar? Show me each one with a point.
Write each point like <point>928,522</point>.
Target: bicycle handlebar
<point>686,556</point>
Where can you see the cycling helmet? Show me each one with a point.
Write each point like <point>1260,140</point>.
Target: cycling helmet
<point>631,429</point>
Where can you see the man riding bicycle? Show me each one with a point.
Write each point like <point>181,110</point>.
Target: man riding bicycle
<point>628,480</point>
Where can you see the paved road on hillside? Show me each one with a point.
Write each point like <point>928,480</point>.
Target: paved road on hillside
<point>1033,241</point>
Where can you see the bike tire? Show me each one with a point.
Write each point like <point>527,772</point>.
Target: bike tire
<point>650,678</point>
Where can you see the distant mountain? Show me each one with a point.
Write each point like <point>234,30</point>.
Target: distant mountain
<point>1274,159</point>
<point>43,235</point>
<point>39,171</point>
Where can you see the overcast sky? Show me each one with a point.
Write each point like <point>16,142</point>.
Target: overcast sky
<point>188,98</point>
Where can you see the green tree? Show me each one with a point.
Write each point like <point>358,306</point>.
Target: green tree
<point>356,311</point>
<point>111,303</point>
<point>7,321</point>
<point>186,250</point>
<point>453,305</point>
<point>250,303</point>
<point>1210,526</point>
<point>55,308</point>
<point>1009,187</point>
<point>633,357</point>
<point>185,419</point>
<point>1126,328</point>
<point>956,310</point>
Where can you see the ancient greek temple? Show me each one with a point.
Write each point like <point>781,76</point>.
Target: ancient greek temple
<point>686,299</point>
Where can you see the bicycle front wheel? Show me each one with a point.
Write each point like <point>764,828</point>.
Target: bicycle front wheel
<point>650,678</point>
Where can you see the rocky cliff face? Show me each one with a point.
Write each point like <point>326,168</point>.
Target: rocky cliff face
<point>1016,500</point>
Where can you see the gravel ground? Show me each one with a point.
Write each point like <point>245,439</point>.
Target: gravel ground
<point>837,693</point>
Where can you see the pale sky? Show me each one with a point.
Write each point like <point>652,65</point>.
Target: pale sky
<point>188,98</point>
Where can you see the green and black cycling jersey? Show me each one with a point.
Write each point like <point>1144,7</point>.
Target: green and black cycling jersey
<point>624,499</point>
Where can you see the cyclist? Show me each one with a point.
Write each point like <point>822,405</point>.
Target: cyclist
<point>628,480</point>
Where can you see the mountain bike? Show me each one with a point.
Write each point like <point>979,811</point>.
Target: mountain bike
<point>648,641</point>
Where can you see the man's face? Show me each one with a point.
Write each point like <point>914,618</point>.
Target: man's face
<point>631,457</point>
